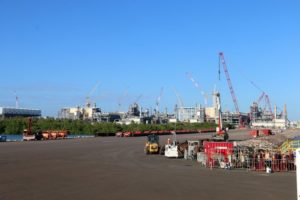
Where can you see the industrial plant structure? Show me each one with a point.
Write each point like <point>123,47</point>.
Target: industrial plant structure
<point>256,117</point>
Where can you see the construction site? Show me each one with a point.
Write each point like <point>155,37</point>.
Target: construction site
<point>260,114</point>
<point>255,158</point>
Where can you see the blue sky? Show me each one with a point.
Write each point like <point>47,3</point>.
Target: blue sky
<point>52,53</point>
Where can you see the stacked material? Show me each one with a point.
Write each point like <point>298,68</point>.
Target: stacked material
<point>269,142</point>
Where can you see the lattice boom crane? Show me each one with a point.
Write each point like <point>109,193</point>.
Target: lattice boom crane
<point>222,60</point>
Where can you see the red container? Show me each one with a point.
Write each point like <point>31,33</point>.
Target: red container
<point>137,133</point>
<point>253,133</point>
<point>207,130</point>
<point>127,134</point>
<point>266,131</point>
<point>154,132</point>
<point>146,133</point>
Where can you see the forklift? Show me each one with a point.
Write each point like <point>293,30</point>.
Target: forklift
<point>152,144</point>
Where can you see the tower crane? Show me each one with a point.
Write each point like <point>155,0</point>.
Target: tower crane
<point>234,99</point>
<point>197,85</point>
<point>158,99</point>
<point>181,105</point>
<point>17,99</point>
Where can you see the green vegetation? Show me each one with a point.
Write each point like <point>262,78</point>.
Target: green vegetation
<point>17,125</point>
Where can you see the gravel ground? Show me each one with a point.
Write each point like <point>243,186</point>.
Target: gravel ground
<point>116,168</point>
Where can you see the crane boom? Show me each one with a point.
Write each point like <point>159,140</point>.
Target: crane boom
<point>261,97</point>
<point>268,103</point>
<point>179,99</point>
<point>222,59</point>
<point>197,85</point>
<point>138,98</point>
<point>88,98</point>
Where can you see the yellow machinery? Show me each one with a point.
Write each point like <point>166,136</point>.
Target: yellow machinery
<point>152,145</point>
<point>290,145</point>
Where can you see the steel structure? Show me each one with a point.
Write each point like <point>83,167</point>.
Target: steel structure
<point>267,101</point>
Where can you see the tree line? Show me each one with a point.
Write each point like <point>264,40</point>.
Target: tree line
<point>17,125</point>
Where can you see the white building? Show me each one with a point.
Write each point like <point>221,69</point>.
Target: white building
<point>190,114</point>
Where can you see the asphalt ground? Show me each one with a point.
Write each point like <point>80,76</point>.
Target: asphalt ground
<point>117,168</point>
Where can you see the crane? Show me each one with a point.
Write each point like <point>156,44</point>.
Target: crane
<point>180,102</point>
<point>234,99</point>
<point>263,94</point>
<point>121,99</point>
<point>222,60</point>
<point>88,98</point>
<point>197,85</point>
<point>17,99</point>
<point>269,104</point>
<point>159,98</point>
<point>179,99</point>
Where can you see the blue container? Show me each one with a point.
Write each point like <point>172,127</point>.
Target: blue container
<point>2,138</point>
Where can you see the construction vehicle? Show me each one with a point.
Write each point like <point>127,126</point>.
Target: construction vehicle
<point>152,144</point>
<point>221,132</point>
<point>27,133</point>
<point>171,148</point>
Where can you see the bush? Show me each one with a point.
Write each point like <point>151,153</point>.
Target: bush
<point>17,125</point>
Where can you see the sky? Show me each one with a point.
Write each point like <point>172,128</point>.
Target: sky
<point>54,52</point>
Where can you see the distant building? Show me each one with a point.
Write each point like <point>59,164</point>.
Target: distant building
<point>190,114</point>
<point>90,113</point>
<point>19,112</point>
<point>269,120</point>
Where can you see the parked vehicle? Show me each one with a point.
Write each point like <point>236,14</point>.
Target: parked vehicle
<point>152,144</point>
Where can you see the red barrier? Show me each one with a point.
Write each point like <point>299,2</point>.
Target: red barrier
<point>216,151</point>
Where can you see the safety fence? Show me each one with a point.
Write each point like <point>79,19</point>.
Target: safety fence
<point>253,162</point>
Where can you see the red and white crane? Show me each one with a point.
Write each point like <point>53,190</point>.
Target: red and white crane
<point>234,99</point>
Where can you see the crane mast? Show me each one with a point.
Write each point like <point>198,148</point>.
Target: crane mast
<point>158,99</point>
<point>222,60</point>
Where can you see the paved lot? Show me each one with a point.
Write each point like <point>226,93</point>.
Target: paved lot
<point>116,168</point>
